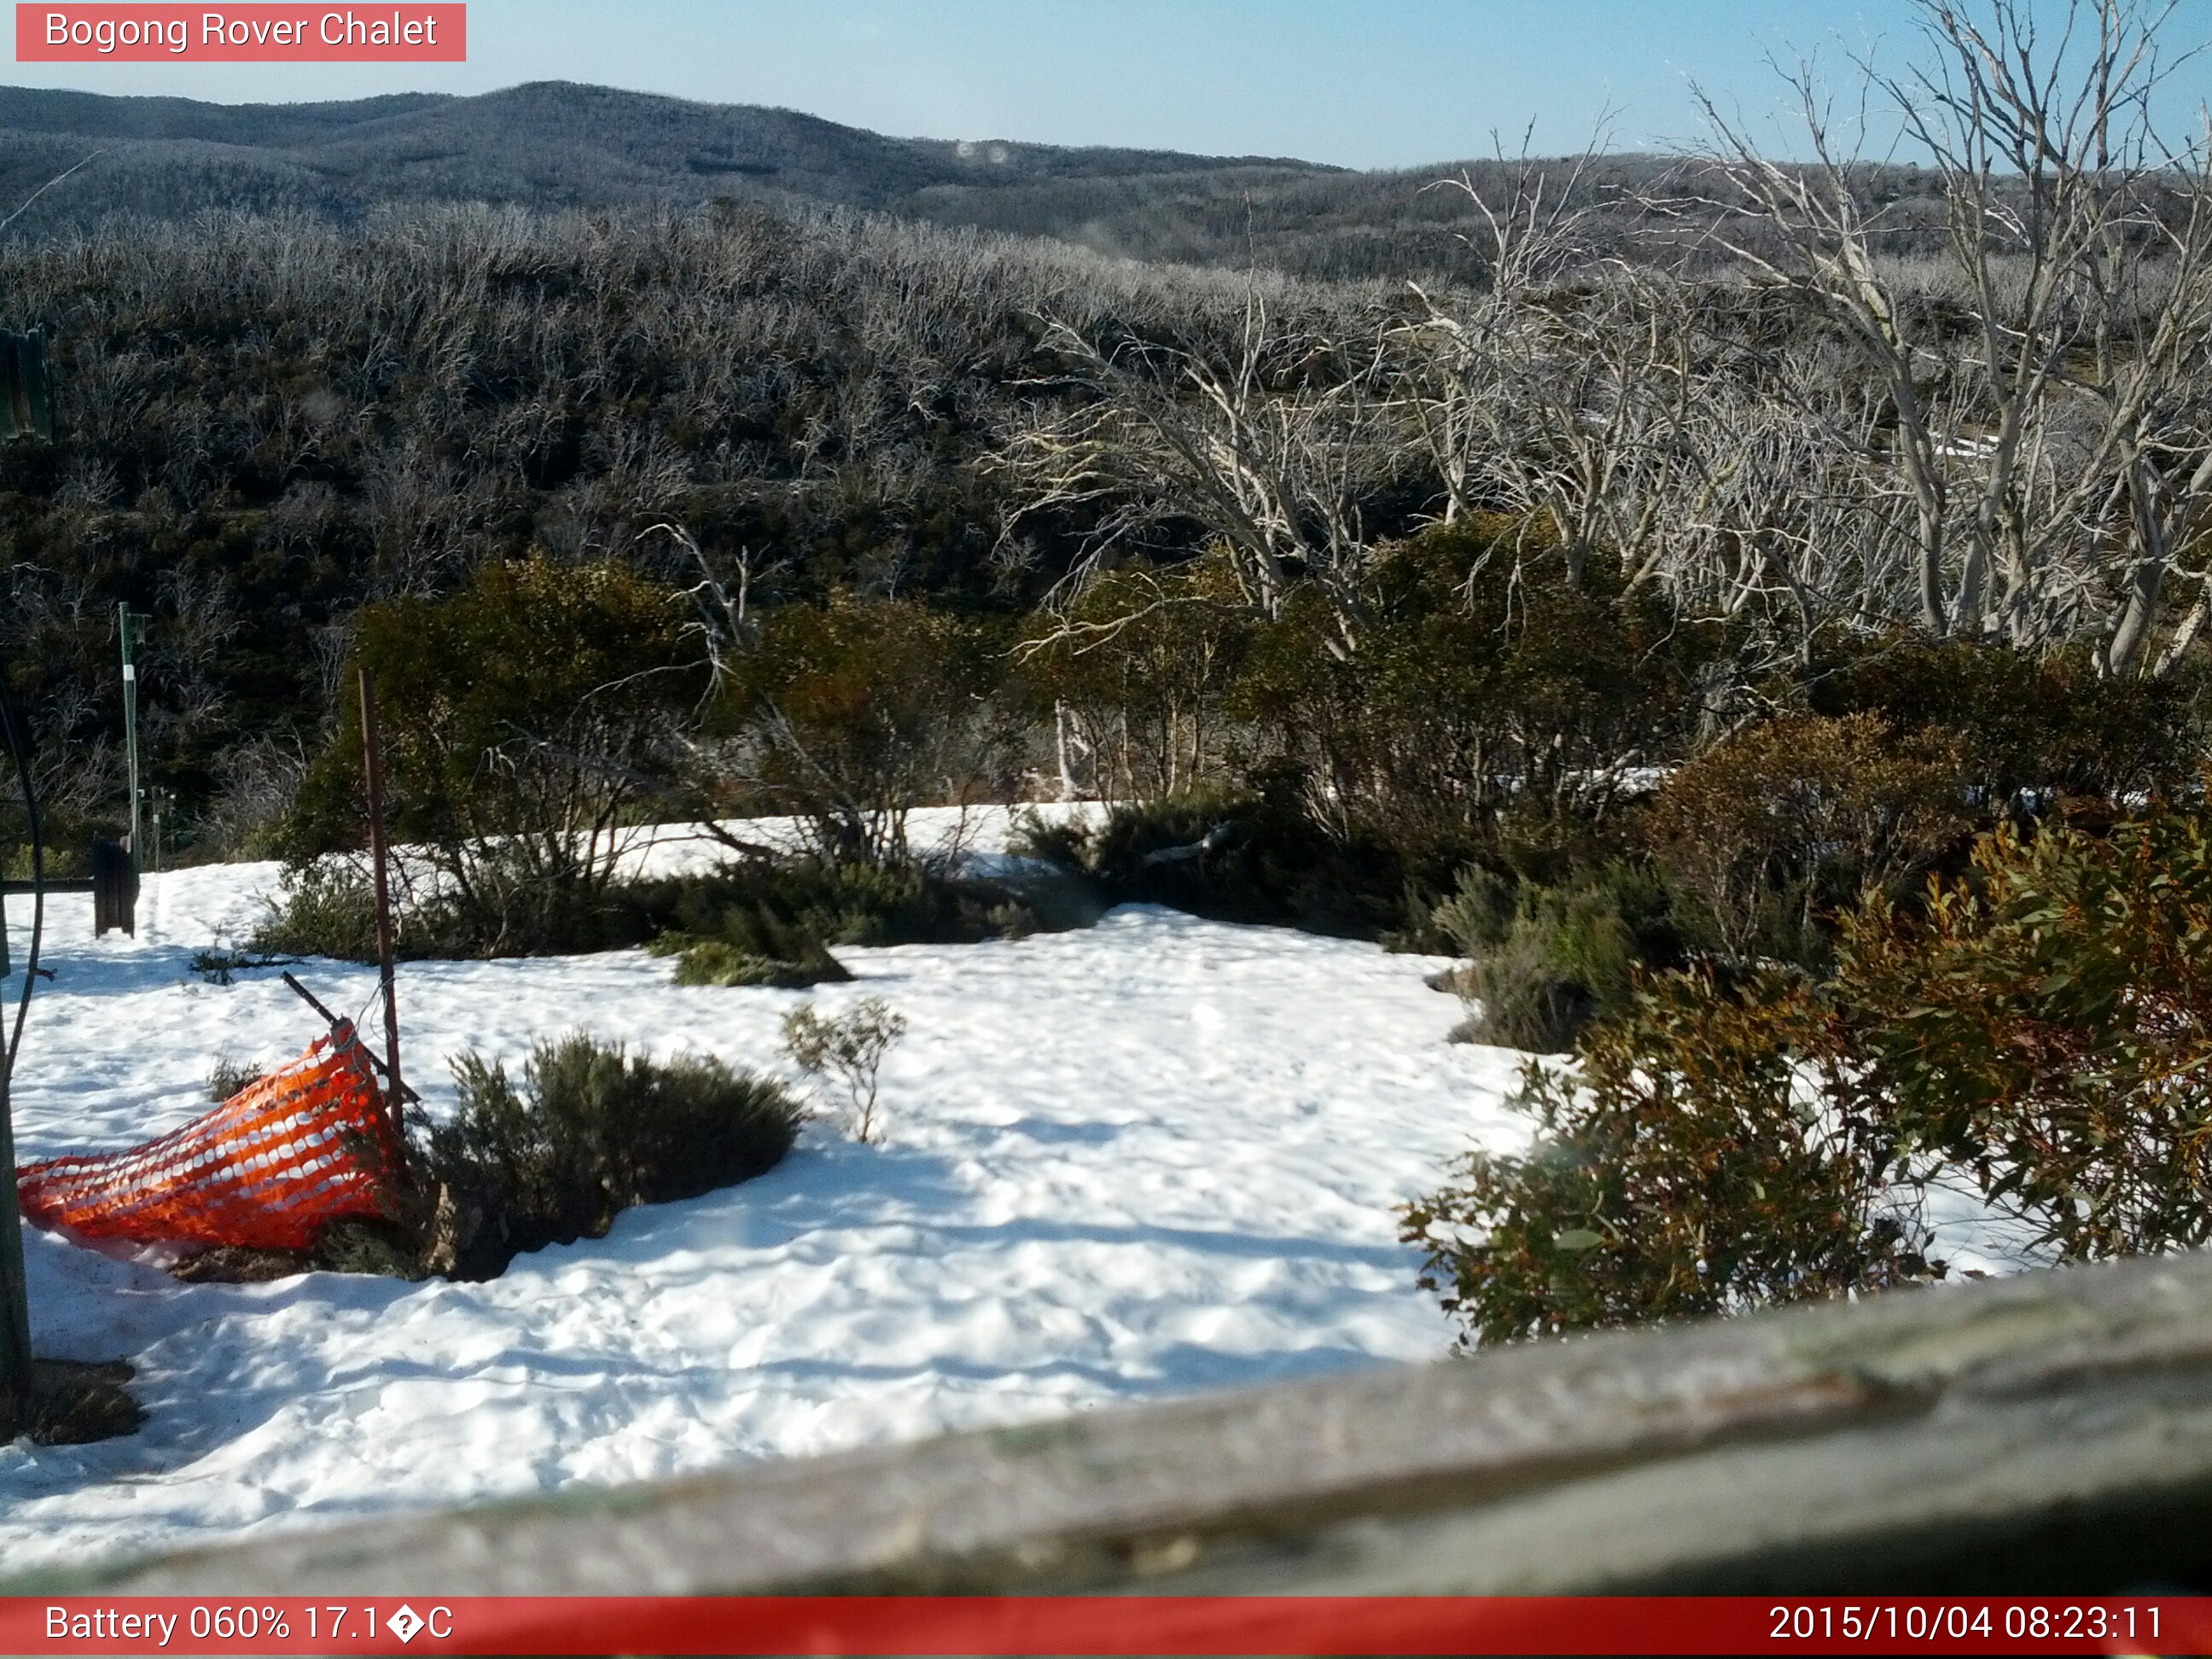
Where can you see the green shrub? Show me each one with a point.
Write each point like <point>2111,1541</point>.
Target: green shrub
<point>1064,843</point>
<point>1677,1172</point>
<point>1485,682</point>
<point>854,712</point>
<point>718,962</point>
<point>1769,832</point>
<point>327,907</point>
<point>787,912</point>
<point>323,907</point>
<point>2023,721</point>
<point>2040,1023</point>
<point>848,1047</point>
<point>2035,1029</point>
<point>593,1130</point>
<point>1543,961</point>
<point>75,1403</point>
<point>1134,678</point>
<point>228,1078</point>
<point>219,966</point>
<point>1547,961</point>
<point>1566,958</point>
<point>1477,917</point>
<point>374,1248</point>
<point>792,910</point>
<point>526,720</point>
<point>64,860</point>
<point>1256,857</point>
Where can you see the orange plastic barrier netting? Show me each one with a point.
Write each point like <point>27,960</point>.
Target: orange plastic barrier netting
<point>266,1169</point>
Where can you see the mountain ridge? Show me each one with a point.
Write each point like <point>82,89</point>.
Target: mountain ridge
<point>564,145</point>
<point>373,144</point>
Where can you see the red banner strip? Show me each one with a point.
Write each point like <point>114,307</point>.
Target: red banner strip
<point>75,32</point>
<point>1088,1624</point>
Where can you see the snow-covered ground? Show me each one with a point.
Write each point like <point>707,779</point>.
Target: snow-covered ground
<point>1156,1155</point>
<point>1153,1157</point>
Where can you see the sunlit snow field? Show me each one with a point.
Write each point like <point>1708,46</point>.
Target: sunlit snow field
<point>1151,1158</point>
<point>1154,1157</point>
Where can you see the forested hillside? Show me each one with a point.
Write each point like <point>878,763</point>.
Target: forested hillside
<point>553,146</point>
<point>266,421</point>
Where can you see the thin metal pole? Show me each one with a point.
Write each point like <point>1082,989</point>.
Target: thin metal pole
<point>371,755</point>
<point>123,621</point>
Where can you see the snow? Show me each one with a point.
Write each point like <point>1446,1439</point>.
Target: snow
<point>1154,1157</point>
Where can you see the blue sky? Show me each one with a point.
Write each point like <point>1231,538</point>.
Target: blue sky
<point>1359,82</point>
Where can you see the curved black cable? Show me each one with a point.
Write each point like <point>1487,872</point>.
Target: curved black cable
<point>18,747</point>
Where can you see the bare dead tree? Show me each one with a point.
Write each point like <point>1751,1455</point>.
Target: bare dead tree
<point>1826,240</point>
<point>1453,383</point>
<point>2045,416</point>
<point>1270,450</point>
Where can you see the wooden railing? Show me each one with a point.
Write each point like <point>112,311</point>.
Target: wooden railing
<point>2052,1431</point>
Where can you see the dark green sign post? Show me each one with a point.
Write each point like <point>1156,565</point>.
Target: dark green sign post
<point>25,410</point>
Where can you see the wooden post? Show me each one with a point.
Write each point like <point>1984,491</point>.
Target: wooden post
<point>372,752</point>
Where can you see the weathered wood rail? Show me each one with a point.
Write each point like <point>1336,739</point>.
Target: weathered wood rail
<point>2052,1432</point>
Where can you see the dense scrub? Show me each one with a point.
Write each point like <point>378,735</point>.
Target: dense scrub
<point>266,421</point>
<point>2032,1027</point>
<point>1675,1173</point>
<point>759,920</point>
<point>589,1132</point>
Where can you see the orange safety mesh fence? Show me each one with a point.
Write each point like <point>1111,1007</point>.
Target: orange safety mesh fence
<point>267,1169</point>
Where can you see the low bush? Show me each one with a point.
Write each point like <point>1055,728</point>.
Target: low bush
<point>546,706</point>
<point>849,1048</point>
<point>2040,1023</point>
<point>1566,958</point>
<point>1489,677</point>
<point>228,1076</point>
<point>387,1249</point>
<point>591,1131</point>
<point>1772,831</point>
<point>2034,1027</point>
<point>360,1246</point>
<point>76,1402</point>
<point>2048,725</point>
<point>1475,920</point>
<point>219,966</point>
<point>1260,856</point>
<point>1134,676</point>
<point>326,907</point>
<point>323,907</point>
<point>1543,961</point>
<point>849,714</point>
<point>759,921</point>
<point>1677,1172</point>
<point>718,962</point>
<point>773,923</point>
<point>1063,843</point>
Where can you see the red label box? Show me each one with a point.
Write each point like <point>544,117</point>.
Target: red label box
<point>249,33</point>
